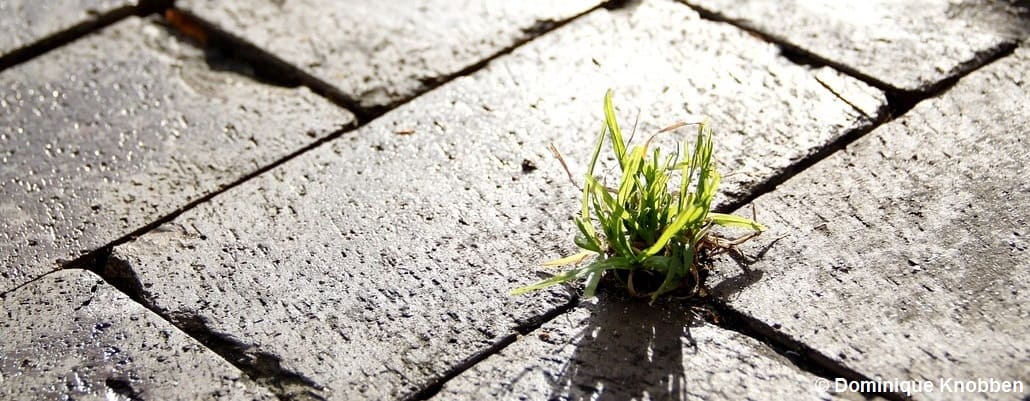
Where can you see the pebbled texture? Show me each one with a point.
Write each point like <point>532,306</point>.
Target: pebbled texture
<point>69,335</point>
<point>910,45</point>
<point>24,22</point>
<point>906,254</point>
<point>388,253</point>
<point>380,53</point>
<point>93,148</point>
<point>615,349</point>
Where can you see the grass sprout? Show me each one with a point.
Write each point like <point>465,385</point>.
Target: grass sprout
<point>643,229</point>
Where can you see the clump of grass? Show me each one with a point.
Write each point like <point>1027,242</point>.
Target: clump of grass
<point>644,227</point>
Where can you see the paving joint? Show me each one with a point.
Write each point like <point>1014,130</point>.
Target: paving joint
<point>799,354</point>
<point>268,64</point>
<point>897,105</point>
<point>98,256</point>
<point>264,368</point>
<point>899,100</point>
<point>70,34</point>
<point>433,388</point>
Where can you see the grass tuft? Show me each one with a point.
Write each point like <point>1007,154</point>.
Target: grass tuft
<point>642,230</point>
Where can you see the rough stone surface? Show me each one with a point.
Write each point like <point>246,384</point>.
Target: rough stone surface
<point>382,52</point>
<point>908,45</point>
<point>622,350</point>
<point>93,148</point>
<point>906,254</point>
<point>69,336</point>
<point>24,22</point>
<point>388,253</point>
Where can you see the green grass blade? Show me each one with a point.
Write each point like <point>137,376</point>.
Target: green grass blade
<point>613,128</point>
<point>568,260</point>
<point>556,279</point>
<point>691,213</point>
<point>585,213</point>
<point>729,220</point>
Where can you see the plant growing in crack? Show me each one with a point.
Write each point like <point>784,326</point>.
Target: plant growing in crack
<point>645,234</point>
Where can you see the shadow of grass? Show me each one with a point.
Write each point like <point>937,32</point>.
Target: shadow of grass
<point>629,350</point>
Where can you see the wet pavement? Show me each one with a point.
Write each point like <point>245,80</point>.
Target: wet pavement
<point>330,200</point>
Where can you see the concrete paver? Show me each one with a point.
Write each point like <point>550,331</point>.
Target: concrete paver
<point>94,147</point>
<point>907,45</point>
<point>621,350</point>
<point>374,265</point>
<point>379,53</point>
<point>906,255</point>
<point>26,22</point>
<point>70,335</point>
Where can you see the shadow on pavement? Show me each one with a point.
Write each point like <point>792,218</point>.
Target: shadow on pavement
<point>628,349</point>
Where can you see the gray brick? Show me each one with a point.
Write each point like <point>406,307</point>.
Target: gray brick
<point>25,22</point>
<point>388,253</point>
<point>620,350</point>
<point>380,53</point>
<point>105,135</point>
<point>70,335</point>
<point>907,45</point>
<point>906,253</point>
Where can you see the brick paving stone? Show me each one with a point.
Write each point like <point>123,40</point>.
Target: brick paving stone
<point>621,350</point>
<point>907,45</point>
<point>104,135</point>
<point>70,335</point>
<point>375,264</point>
<point>906,254</point>
<point>380,53</point>
<point>25,22</point>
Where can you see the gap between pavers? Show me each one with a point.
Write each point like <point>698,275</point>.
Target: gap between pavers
<point>70,335</point>
<point>618,349</point>
<point>28,28</point>
<point>378,54</point>
<point>379,263</point>
<point>908,46</point>
<point>113,131</point>
<point>905,256</point>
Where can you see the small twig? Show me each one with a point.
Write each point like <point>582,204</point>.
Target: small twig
<point>557,155</point>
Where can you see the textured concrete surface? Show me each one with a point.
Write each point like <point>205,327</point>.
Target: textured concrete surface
<point>25,22</point>
<point>70,336</point>
<point>906,254</point>
<point>93,148</point>
<point>388,253</point>
<point>382,52</point>
<point>909,45</point>
<point>622,350</point>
